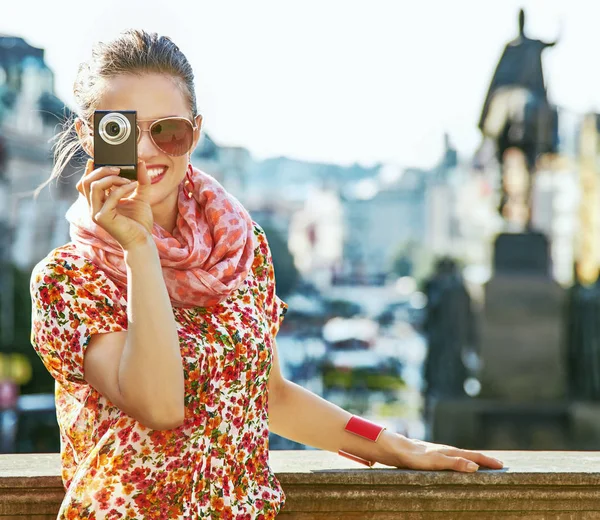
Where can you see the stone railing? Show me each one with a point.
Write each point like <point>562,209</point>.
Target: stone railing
<point>321,485</point>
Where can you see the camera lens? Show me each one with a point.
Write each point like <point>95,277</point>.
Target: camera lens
<point>114,128</point>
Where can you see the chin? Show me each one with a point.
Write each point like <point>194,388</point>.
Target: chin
<point>160,192</point>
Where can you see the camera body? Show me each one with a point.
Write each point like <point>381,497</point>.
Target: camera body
<point>115,140</point>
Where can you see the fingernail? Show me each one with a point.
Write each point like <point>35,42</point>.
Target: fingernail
<point>114,169</point>
<point>471,466</point>
<point>499,462</point>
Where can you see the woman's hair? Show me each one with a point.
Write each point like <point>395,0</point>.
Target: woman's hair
<point>132,52</point>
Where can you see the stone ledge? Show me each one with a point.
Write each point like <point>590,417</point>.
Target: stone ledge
<point>321,485</point>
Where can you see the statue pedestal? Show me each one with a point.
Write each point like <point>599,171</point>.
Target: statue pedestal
<point>522,346</point>
<point>523,402</point>
<point>522,340</point>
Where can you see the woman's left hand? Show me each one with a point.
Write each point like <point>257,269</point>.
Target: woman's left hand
<point>416,454</point>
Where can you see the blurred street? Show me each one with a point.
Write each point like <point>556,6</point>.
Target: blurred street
<point>451,296</point>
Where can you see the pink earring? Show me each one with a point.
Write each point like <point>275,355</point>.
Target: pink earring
<point>189,193</point>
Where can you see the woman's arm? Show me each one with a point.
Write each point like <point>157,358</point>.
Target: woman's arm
<point>140,371</point>
<point>301,416</point>
<point>151,370</point>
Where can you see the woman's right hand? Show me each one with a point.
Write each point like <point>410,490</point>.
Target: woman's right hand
<point>119,206</point>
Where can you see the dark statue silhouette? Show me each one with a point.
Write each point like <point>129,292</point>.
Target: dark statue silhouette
<point>516,111</point>
<point>450,330</point>
<point>520,66</point>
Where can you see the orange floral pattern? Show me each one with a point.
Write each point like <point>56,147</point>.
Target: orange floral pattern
<point>216,464</point>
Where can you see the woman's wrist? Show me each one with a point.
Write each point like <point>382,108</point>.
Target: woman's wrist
<point>382,445</point>
<point>392,447</point>
<point>140,250</point>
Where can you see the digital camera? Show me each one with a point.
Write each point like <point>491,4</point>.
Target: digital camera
<point>115,140</point>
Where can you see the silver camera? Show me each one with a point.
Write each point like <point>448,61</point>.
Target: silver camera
<point>115,140</point>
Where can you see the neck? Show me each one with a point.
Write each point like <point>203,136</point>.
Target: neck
<point>165,213</point>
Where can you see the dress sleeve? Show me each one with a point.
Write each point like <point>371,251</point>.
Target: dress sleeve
<point>71,300</point>
<point>275,307</point>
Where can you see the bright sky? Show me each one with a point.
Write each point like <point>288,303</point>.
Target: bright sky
<point>333,80</point>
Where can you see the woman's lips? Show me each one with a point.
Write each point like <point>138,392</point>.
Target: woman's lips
<point>156,173</point>
<point>156,179</point>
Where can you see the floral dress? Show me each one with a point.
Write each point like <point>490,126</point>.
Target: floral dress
<point>216,464</point>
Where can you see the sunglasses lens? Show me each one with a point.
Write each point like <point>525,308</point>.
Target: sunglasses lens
<point>173,136</point>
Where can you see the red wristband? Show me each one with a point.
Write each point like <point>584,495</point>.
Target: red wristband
<point>356,458</point>
<point>364,428</point>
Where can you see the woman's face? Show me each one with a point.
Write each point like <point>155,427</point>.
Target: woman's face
<point>153,96</point>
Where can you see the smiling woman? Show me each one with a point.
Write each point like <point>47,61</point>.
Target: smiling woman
<point>154,96</point>
<point>158,322</point>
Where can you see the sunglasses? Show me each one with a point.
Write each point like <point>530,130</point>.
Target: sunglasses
<point>173,136</point>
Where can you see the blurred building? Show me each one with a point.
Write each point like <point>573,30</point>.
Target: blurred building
<point>379,218</point>
<point>281,181</point>
<point>403,208</point>
<point>228,164</point>
<point>441,202</point>
<point>29,115</point>
<point>316,237</point>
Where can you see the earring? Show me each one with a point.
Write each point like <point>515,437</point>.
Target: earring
<point>189,193</point>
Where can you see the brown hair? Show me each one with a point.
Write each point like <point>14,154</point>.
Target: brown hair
<point>132,52</point>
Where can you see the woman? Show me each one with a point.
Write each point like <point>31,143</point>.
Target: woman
<point>158,322</point>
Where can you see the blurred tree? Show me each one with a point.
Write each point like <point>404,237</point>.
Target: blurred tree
<point>286,274</point>
<point>41,381</point>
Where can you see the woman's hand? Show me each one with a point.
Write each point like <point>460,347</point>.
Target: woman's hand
<point>119,206</point>
<point>416,454</point>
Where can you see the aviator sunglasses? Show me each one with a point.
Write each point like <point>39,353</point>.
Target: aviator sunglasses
<point>172,135</point>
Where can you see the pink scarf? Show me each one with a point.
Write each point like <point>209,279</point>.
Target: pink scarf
<point>207,257</point>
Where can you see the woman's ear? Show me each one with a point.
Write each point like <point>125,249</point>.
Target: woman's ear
<point>85,139</point>
<point>197,132</point>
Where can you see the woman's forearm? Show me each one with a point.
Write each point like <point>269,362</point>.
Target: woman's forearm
<point>301,416</point>
<point>151,371</point>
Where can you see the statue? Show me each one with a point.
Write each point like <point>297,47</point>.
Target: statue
<point>450,331</point>
<point>519,66</point>
<point>517,115</point>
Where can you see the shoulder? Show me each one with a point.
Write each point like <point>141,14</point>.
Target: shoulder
<point>66,268</point>
<point>264,273</point>
<point>63,263</point>
<point>260,239</point>
<point>263,261</point>
<point>60,255</point>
